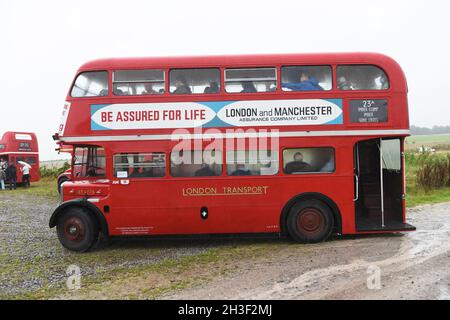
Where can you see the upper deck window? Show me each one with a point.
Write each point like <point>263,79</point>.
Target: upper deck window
<point>23,136</point>
<point>361,77</point>
<point>2,146</point>
<point>306,78</point>
<point>194,81</point>
<point>138,82</point>
<point>250,80</point>
<point>90,84</point>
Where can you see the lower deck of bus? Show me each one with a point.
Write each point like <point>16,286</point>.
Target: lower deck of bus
<point>367,185</point>
<point>31,159</point>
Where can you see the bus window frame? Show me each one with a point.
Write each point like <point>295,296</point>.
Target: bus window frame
<point>91,97</point>
<point>164,177</point>
<point>165,75</point>
<point>388,90</point>
<point>106,169</point>
<point>235,67</point>
<point>171,94</point>
<point>284,174</point>
<point>333,88</point>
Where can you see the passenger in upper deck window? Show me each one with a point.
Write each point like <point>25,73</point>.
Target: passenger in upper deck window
<point>384,82</point>
<point>306,83</point>
<point>149,89</point>
<point>343,84</point>
<point>212,88</point>
<point>181,86</point>
<point>248,86</point>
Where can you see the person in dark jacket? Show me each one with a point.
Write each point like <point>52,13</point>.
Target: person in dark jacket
<point>241,170</point>
<point>205,171</point>
<point>248,86</point>
<point>11,175</point>
<point>306,83</point>
<point>298,165</point>
<point>181,86</point>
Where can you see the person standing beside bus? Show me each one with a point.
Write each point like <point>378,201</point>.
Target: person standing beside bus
<point>11,176</point>
<point>26,176</point>
<point>2,173</point>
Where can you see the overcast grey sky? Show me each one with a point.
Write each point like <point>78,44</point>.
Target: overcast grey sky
<point>44,42</point>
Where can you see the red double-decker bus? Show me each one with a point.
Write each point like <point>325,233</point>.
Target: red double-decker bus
<point>306,145</point>
<point>21,148</point>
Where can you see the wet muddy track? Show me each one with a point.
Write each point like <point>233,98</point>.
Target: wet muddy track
<point>410,266</point>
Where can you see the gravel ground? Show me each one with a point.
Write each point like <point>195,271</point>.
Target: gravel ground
<point>31,257</point>
<point>413,265</point>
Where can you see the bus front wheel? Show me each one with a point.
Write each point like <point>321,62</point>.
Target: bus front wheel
<point>310,221</point>
<point>77,230</point>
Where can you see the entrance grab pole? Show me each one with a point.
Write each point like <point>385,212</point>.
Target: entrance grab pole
<point>381,185</point>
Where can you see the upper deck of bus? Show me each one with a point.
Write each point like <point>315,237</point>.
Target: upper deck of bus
<point>79,111</point>
<point>18,143</point>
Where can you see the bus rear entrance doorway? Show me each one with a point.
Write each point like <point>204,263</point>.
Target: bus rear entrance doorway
<point>379,186</point>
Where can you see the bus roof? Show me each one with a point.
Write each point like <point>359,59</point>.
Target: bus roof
<point>254,59</point>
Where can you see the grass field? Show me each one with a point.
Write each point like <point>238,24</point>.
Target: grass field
<point>436,141</point>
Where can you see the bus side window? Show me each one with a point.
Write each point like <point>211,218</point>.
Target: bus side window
<point>138,82</point>
<point>140,165</point>
<point>90,84</point>
<point>306,78</point>
<point>250,80</point>
<point>361,77</point>
<point>89,162</point>
<point>308,160</point>
<point>252,162</point>
<point>195,163</point>
<point>194,81</point>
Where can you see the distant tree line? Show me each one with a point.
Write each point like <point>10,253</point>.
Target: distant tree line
<point>433,130</point>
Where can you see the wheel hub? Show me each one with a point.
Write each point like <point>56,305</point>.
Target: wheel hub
<point>74,229</point>
<point>310,221</point>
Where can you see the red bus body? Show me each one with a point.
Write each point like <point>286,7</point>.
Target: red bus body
<point>245,204</point>
<point>21,146</point>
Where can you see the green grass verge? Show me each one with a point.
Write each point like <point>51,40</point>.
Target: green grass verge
<point>45,187</point>
<point>416,195</point>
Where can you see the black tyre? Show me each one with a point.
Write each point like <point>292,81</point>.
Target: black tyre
<point>61,181</point>
<point>77,230</point>
<point>310,221</point>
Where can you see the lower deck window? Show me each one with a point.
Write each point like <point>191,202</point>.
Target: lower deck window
<point>252,163</point>
<point>140,165</point>
<point>196,163</point>
<point>308,160</point>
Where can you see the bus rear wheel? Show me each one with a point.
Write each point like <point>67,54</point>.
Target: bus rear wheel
<point>77,230</point>
<point>310,221</point>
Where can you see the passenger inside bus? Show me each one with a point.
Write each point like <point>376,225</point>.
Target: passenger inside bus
<point>248,86</point>
<point>241,170</point>
<point>298,165</point>
<point>205,170</point>
<point>306,83</point>
<point>149,89</point>
<point>212,88</point>
<point>343,84</point>
<point>182,86</point>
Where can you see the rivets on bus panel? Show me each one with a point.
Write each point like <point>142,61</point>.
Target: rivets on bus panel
<point>204,213</point>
